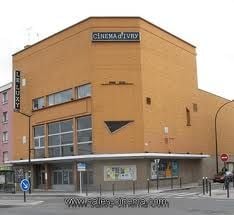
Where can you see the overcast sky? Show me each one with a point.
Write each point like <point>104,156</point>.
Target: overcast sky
<point>207,24</point>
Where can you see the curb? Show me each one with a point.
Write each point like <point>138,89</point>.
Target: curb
<point>19,204</point>
<point>176,189</point>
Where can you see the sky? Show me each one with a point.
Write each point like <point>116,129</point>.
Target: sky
<point>207,24</point>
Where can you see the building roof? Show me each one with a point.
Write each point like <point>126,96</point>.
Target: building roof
<point>5,87</point>
<point>104,17</point>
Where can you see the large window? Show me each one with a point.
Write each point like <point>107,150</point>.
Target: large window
<point>4,117</point>
<point>39,141</point>
<point>60,138</point>
<point>84,91</point>
<point>84,135</point>
<point>5,137</point>
<point>164,168</point>
<point>4,97</point>
<point>38,103</point>
<point>60,97</point>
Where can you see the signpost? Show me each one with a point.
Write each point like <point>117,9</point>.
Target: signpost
<point>224,157</point>
<point>25,185</point>
<point>81,167</point>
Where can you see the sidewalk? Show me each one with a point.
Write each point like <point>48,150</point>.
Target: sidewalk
<point>219,194</point>
<point>52,193</point>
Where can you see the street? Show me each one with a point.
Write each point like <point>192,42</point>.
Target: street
<point>181,202</point>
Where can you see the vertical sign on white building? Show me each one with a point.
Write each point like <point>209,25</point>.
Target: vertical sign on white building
<point>16,90</point>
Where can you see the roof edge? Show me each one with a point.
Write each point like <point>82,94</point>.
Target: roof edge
<point>5,87</point>
<point>104,17</point>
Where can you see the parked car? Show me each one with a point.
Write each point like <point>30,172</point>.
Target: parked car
<point>220,177</point>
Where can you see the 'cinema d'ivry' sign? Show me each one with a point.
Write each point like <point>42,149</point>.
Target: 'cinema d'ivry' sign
<point>16,90</point>
<point>116,36</point>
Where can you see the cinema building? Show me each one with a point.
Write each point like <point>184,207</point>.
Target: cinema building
<point>118,98</point>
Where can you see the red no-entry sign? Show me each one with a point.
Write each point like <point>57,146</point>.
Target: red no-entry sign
<point>224,157</point>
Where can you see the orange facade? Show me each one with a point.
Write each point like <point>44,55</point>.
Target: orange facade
<point>151,82</point>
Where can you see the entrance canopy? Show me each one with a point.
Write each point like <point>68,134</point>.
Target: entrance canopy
<point>93,157</point>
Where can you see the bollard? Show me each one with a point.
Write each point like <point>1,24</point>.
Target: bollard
<point>209,188</point>
<point>227,189</point>
<point>100,189</point>
<point>171,182</point>
<point>157,182</point>
<point>148,185</point>
<point>86,189</point>
<point>180,182</point>
<point>113,189</point>
<point>233,180</point>
<point>133,187</point>
<point>206,185</point>
<point>203,185</point>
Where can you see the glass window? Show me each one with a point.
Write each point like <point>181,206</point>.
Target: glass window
<point>54,140</point>
<point>60,97</point>
<point>84,134</point>
<point>39,153</point>
<point>66,126</point>
<point>5,156</point>
<point>60,138</point>
<point>4,97</point>
<point>62,177</point>
<point>36,142</point>
<point>85,149</point>
<point>67,138</point>
<point>39,141</point>
<point>4,117</point>
<point>4,136</point>
<point>84,91</point>
<point>39,130</point>
<point>116,125</point>
<point>55,177</point>
<point>54,128</point>
<point>67,150</point>
<point>38,103</point>
<point>54,151</point>
<point>84,122</point>
<point>165,168</point>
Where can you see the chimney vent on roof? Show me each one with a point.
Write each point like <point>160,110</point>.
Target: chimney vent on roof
<point>26,46</point>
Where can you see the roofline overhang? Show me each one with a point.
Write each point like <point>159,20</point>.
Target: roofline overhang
<point>94,157</point>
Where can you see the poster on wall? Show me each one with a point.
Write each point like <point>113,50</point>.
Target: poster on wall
<point>120,173</point>
<point>165,168</point>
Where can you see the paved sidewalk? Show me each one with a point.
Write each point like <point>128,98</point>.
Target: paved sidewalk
<point>219,193</point>
<point>51,193</point>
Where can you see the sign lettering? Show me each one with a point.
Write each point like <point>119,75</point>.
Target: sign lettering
<point>17,90</point>
<point>116,36</point>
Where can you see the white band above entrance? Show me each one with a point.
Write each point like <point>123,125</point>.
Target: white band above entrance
<point>111,156</point>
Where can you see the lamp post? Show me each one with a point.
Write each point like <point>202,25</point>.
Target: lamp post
<point>29,147</point>
<point>216,139</point>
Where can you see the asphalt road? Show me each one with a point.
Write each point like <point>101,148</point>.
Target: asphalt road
<point>180,202</point>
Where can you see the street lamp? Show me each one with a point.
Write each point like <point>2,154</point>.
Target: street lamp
<point>216,139</point>
<point>29,148</point>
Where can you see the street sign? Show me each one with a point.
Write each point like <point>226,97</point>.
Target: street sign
<point>24,185</point>
<point>81,167</point>
<point>224,157</point>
